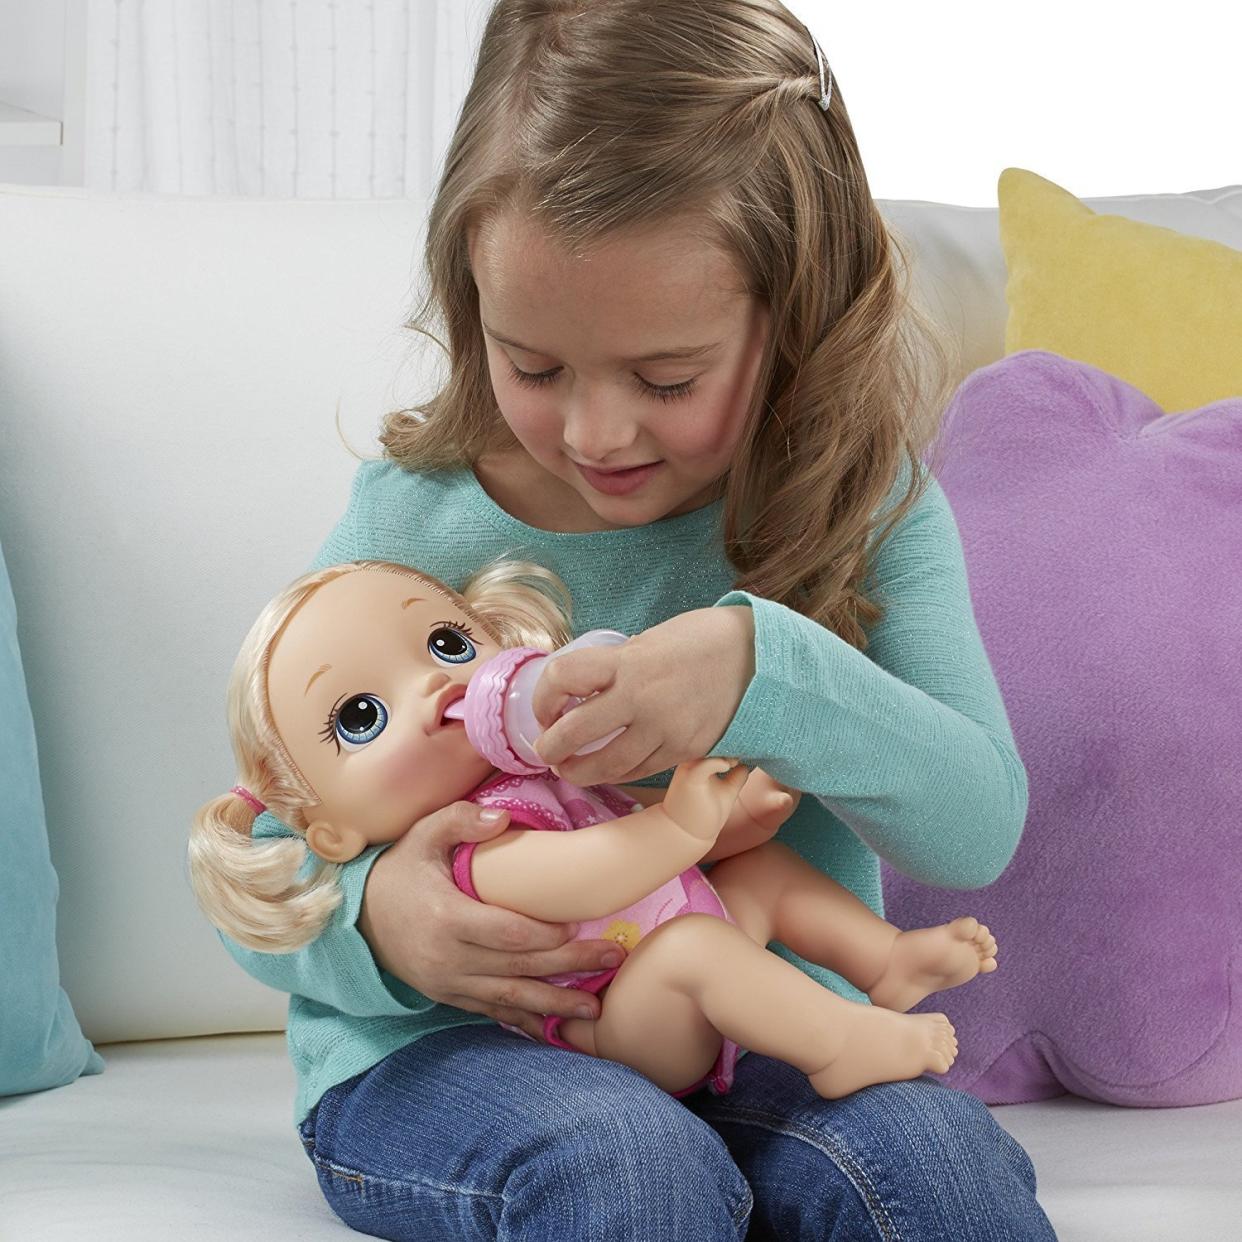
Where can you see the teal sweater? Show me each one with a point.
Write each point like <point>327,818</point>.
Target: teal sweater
<point>905,751</point>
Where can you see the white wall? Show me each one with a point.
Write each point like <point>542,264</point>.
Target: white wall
<point>1099,96</point>
<point>1092,94</point>
<point>33,58</point>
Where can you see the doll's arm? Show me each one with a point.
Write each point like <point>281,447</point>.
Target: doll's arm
<point>761,808</point>
<point>570,876</point>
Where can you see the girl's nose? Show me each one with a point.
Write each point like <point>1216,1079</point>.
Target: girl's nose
<point>593,433</point>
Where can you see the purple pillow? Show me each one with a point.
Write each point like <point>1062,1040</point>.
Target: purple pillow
<point>1103,544</point>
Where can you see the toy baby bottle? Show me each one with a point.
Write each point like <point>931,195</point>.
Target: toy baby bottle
<point>496,707</point>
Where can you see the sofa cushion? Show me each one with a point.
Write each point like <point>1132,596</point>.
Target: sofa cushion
<point>1103,542</point>
<point>170,372</point>
<point>191,1138</point>
<point>1155,307</point>
<point>41,1044</point>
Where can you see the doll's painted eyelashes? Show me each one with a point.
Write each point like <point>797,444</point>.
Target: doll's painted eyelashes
<point>451,643</point>
<point>355,719</point>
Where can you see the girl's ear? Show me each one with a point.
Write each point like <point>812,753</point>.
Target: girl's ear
<point>333,844</point>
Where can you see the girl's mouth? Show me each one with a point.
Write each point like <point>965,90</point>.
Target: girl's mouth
<point>618,482</point>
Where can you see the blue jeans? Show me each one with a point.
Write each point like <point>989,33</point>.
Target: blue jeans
<point>476,1132</point>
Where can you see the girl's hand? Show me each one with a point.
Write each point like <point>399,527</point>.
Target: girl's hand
<point>424,930</point>
<point>674,688</point>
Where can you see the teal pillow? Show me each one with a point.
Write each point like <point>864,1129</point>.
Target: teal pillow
<point>41,1044</point>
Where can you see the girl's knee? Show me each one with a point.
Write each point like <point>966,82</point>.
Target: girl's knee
<point>631,1151</point>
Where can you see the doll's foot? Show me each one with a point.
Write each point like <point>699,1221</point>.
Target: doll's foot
<point>931,959</point>
<point>882,1046</point>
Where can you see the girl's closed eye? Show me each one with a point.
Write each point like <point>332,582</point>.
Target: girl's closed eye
<point>662,392</point>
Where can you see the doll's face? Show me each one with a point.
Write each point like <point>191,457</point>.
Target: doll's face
<point>358,682</point>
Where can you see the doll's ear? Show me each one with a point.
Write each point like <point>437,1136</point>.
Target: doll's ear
<point>333,844</point>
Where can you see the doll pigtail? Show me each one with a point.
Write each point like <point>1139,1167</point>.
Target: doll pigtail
<point>255,890</point>
<point>250,889</point>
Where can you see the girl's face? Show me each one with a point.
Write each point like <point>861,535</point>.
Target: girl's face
<point>573,345</point>
<point>358,682</point>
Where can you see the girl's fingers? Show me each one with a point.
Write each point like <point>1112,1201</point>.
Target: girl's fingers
<point>583,723</point>
<point>577,955</point>
<point>531,1023</point>
<point>580,673</point>
<point>610,764</point>
<point>661,759</point>
<point>529,998</point>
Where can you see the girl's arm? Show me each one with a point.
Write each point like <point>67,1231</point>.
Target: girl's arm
<point>909,744</point>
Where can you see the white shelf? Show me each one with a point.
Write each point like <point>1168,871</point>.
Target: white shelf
<point>19,128</point>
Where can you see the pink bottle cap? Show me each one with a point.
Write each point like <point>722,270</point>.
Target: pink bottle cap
<point>482,709</point>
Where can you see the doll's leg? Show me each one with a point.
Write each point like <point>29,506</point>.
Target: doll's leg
<point>777,895</point>
<point>697,977</point>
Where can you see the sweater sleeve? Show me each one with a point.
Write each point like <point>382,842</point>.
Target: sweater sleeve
<point>337,968</point>
<point>909,744</point>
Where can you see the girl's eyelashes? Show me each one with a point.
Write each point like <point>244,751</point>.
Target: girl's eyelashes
<point>662,392</point>
<point>355,719</point>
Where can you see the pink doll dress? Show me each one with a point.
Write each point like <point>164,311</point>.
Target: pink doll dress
<point>545,801</point>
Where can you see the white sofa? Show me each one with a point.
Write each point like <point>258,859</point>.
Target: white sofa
<point>158,356</point>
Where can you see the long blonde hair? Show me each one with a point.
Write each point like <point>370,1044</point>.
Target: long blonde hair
<point>250,889</point>
<point>595,116</point>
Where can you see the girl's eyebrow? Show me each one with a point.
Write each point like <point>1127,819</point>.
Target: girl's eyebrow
<point>682,352</point>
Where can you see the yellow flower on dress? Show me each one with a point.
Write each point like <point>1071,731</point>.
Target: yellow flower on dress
<point>624,933</point>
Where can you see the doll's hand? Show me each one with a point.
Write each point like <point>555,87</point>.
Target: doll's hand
<point>762,807</point>
<point>699,800</point>
<point>425,931</point>
<point>673,688</point>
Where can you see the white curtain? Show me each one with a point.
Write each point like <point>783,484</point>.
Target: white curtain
<point>279,98</point>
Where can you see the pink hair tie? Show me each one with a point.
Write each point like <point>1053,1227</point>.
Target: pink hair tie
<point>246,796</point>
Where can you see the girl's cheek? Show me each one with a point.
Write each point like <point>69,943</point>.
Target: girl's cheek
<point>708,434</point>
<point>534,424</point>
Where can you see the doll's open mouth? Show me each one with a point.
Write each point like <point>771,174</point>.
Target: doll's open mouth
<point>450,707</point>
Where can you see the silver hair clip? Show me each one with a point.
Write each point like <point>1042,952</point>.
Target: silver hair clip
<point>825,87</point>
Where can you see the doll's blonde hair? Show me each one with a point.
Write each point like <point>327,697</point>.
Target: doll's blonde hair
<point>598,117</point>
<point>251,889</point>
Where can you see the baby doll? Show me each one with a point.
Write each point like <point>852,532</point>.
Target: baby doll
<point>336,707</point>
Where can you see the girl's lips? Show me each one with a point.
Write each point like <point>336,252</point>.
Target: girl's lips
<point>618,482</point>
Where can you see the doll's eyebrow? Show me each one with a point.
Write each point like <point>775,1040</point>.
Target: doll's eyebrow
<point>320,672</point>
<point>317,673</point>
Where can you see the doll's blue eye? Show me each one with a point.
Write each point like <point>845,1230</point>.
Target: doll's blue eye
<point>361,720</point>
<point>451,645</point>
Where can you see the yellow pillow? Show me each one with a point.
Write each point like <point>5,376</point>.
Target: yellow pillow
<point>1154,307</point>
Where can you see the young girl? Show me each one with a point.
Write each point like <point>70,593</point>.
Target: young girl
<point>374,748</point>
<point>684,375</point>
